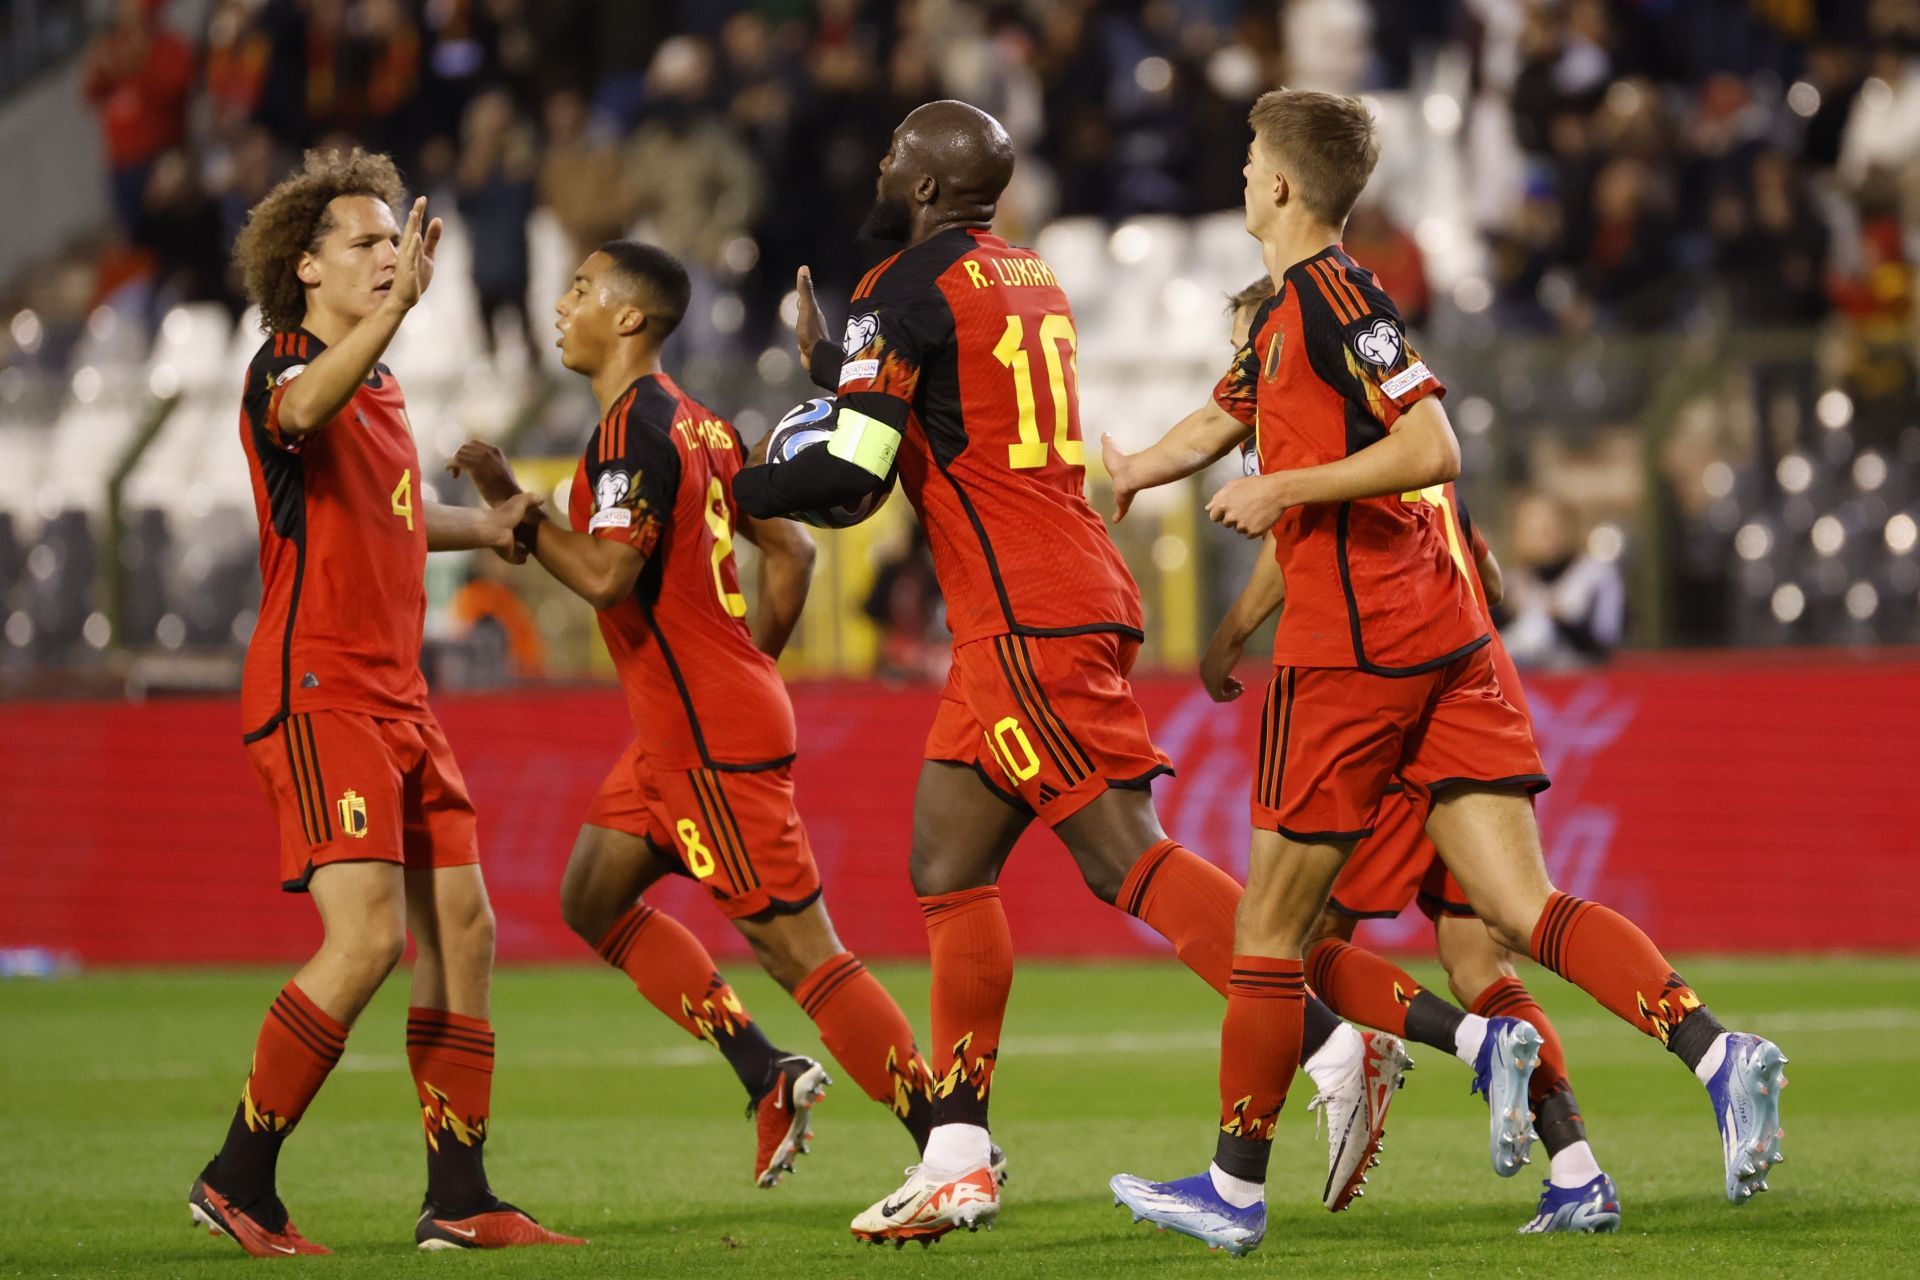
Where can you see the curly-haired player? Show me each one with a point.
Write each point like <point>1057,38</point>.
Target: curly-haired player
<point>374,818</point>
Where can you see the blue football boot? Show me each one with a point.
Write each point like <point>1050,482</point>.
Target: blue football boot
<point>1507,1058</point>
<point>1590,1208</point>
<point>1746,1105</point>
<point>1193,1208</point>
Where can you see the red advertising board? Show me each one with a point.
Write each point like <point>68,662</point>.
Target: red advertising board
<point>1729,803</point>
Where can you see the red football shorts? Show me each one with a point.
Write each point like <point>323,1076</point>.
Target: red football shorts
<point>736,833</point>
<point>1396,865</point>
<point>350,787</point>
<point>1049,722</point>
<point>1333,739</point>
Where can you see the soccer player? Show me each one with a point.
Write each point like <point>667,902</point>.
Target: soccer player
<point>1382,671</point>
<point>1396,866</point>
<point>958,371</point>
<point>706,788</point>
<point>375,822</point>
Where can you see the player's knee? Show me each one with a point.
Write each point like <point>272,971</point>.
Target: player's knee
<point>586,911</point>
<point>1511,933</point>
<point>1263,930</point>
<point>472,938</point>
<point>1105,876</point>
<point>933,874</point>
<point>779,964</point>
<point>1468,979</point>
<point>371,951</point>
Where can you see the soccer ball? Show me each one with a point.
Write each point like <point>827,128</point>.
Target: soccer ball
<point>803,427</point>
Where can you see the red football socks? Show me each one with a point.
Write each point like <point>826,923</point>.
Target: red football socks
<point>677,976</point>
<point>972,954</point>
<point>1605,954</point>
<point>870,1038</point>
<point>1189,902</point>
<point>1509,998</point>
<point>299,1044</point>
<point>452,1059</point>
<point>1361,986</point>
<point>1259,1051</point>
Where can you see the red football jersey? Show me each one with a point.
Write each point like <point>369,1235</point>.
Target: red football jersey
<point>977,338</point>
<point>343,550</point>
<point>1462,532</point>
<point>658,475</point>
<point>1372,584</point>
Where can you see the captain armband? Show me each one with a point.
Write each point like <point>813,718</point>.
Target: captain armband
<point>865,441</point>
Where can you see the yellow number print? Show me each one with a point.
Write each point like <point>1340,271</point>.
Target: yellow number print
<point>1436,495</point>
<point>699,857</point>
<point>720,523</point>
<point>403,498</point>
<point>1010,351</point>
<point>1022,768</point>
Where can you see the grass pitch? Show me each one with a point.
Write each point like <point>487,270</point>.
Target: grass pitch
<point>115,1088</point>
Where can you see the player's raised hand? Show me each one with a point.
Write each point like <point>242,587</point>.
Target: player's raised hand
<point>419,241</point>
<point>1119,470</point>
<point>1248,506</point>
<point>810,325</point>
<point>489,470</point>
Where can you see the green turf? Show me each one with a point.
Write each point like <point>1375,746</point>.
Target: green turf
<point>607,1122</point>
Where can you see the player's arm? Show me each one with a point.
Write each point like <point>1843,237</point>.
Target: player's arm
<point>875,387</point>
<point>786,571</point>
<point>451,528</point>
<point>1366,357</point>
<point>1418,451</point>
<point>600,570</point>
<point>1260,599</point>
<point>308,402</point>
<point>1195,442</point>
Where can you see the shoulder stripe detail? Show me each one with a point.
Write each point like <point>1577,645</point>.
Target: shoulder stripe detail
<point>1323,277</point>
<point>613,429</point>
<point>870,281</point>
<point>1345,282</point>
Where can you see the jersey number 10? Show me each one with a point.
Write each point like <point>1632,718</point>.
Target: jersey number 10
<point>1011,351</point>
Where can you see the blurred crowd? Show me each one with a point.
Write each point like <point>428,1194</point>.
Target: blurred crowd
<point>1624,154</point>
<point>1630,175</point>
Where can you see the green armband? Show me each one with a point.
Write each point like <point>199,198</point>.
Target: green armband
<point>866,442</point>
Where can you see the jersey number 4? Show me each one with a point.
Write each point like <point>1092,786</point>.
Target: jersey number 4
<point>1055,331</point>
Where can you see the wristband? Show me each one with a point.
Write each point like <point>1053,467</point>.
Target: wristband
<point>823,364</point>
<point>526,534</point>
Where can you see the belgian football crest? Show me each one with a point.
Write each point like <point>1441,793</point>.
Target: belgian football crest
<point>353,814</point>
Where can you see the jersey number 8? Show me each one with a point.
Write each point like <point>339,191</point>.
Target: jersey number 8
<point>719,522</point>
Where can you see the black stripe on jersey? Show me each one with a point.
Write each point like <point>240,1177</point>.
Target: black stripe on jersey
<point>304,726</point>
<point>1276,735</point>
<point>283,477</point>
<point>300,792</point>
<point>1074,762</point>
<point>693,719</point>
<point>1353,617</point>
<point>705,789</point>
<point>314,795</point>
<point>734,834</point>
<point>1050,741</point>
